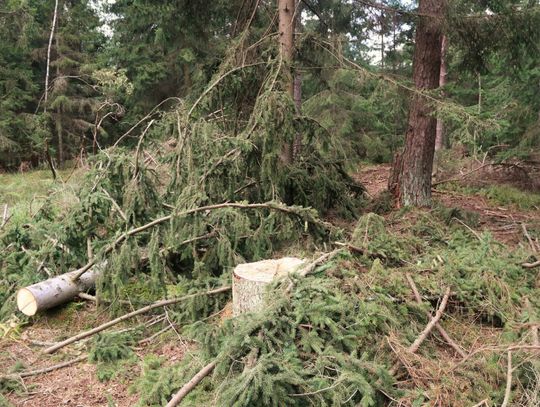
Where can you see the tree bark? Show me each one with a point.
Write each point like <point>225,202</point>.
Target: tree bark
<point>286,45</point>
<point>297,84</point>
<point>414,186</point>
<point>55,291</point>
<point>440,140</point>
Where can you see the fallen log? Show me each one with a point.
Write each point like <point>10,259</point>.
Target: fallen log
<point>56,290</point>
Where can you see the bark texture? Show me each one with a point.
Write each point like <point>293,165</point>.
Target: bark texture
<point>440,139</point>
<point>414,185</point>
<point>55,291</point>
<point>286,9</point>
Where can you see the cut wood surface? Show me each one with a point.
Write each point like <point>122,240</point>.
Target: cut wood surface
<point>55,291</point>
<point>251,279</point>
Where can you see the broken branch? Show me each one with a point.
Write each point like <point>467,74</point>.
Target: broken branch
<point>45,369</point>
<point>186,388</point>
<point>158,304</point>
<point>441,330</point>
<point>414,347</point>
<point>124,236</point>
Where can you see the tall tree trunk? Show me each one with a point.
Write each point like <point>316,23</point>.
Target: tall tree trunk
<point>297,85</point>
<point>46,95</point>
<point>59,129</point>
<point>414,180</point>
<point>440,140</point>
<point>286,41</point>
<point>382,38</point>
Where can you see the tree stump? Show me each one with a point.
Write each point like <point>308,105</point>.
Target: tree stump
<point>251,279</point>
<point>55,291</point>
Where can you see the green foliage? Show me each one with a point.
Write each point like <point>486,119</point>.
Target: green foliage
<point>110,352</point>
<point>507,195</point>
<point>371,235</point>
<point>322,344</point>
<point>157,383</point>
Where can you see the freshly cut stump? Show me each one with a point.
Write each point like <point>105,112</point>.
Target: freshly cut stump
<point>55,291</point>
<point>250,281</point>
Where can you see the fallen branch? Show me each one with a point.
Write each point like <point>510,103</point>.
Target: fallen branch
<point>309,268</point>
<point>438,315</point>
<point>158,304</point>
<point>508,390</point>
<point>186,388</point>
<point>45,369</point>
<point>433,321</point>
<point>531,265</point>
<point>461,177</point>
<point>441,330</point>
<point>124,236</point>
<point>529,239</point>
<point>4,217</point>
<point>360,251</point>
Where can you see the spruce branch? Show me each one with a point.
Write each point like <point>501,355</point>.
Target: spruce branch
<point>291,210</point>
<point>158,304</point>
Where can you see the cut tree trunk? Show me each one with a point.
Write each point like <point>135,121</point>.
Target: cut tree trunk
<point>250,281</point>
<point>414,186</point>
<point>56,290</point>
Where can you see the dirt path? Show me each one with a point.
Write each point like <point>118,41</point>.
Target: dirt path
<point>76,385</point>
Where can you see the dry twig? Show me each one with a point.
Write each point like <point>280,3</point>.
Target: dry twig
<point>441,330</point>
<point>529,239</point>
<point>45,369</point>
<point>438,315</point>
<point>508,390</point>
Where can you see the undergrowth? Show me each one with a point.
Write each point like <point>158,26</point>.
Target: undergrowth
<point>334,339</point>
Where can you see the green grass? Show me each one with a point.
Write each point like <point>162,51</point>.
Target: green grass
<point>502,195</point>
<point>25,193</point>
<point>506,195</point>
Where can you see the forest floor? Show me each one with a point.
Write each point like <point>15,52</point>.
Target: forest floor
<point>78,384</point>
<point>503,220</point>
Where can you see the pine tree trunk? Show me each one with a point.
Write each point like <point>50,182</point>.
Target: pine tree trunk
<point>286,42</point>
<point>440,140</point>
<point>297,85</point>
<point>60,134</point>
<point>414,186</point>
